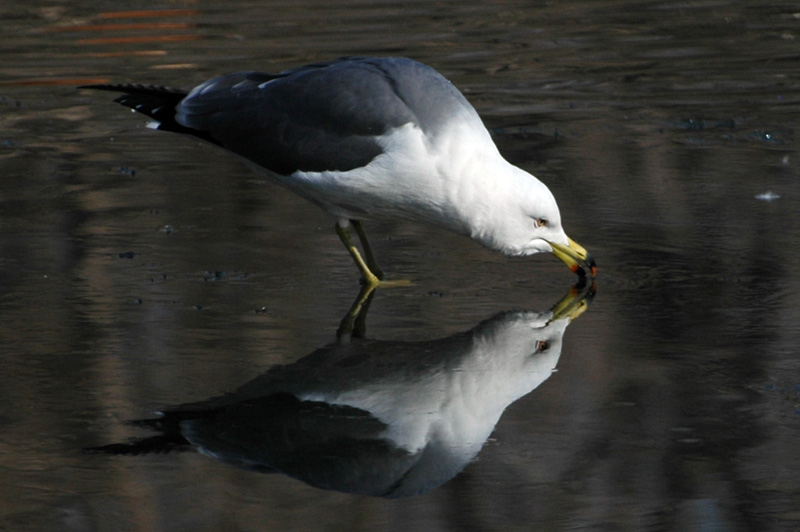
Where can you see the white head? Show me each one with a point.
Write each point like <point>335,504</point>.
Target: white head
<point>520,217</point>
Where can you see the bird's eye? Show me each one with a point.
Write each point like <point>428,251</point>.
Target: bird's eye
<point>542,346</point>
<point>540,222</point>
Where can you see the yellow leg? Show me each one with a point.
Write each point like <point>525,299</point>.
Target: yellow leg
<point>369,278</point>
<point>368,255</point>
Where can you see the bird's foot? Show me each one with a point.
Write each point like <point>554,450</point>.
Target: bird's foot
<point>374,282</point>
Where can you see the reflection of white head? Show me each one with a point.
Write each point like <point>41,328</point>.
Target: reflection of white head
<point>440,400</point>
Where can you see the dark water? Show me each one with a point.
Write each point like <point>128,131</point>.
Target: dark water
<point>141,271</point>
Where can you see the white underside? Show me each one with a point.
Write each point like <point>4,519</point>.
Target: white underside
<point>415,178</point>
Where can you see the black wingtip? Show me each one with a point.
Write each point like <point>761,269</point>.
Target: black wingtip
<point>155,101</point>
<point>149,100</point>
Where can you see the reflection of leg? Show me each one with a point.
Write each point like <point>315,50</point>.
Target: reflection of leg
<point>358,225</point>
<point>369,278</point>
<point>354,324</point>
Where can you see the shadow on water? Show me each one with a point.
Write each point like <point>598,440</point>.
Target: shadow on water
<point>372,417</point>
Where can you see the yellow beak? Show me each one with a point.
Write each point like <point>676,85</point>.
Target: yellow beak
<point>575,257</point>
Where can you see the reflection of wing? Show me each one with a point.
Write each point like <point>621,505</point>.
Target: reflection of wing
<point>327,446</point>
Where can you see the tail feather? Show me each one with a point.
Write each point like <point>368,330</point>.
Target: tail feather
<point>161,444</point>
<point>156,102</point>
<point>169,440</point>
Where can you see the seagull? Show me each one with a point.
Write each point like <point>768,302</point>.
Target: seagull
<point>370,138</point>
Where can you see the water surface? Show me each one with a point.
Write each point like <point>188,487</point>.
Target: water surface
<point>141,271</point>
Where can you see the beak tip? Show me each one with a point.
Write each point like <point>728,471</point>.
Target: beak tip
<point>581,269</point>
<point>576,257</point>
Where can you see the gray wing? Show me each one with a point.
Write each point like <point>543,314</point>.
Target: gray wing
<point>325,116</point>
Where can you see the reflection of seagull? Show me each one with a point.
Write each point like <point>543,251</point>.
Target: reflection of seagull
<point>371,417</point>
<point>368,138</point>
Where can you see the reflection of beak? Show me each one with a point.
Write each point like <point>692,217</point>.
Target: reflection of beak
<point>575,257</point>
<point>575,302</point>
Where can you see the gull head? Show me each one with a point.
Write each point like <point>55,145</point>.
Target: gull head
<point>522,218</point>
